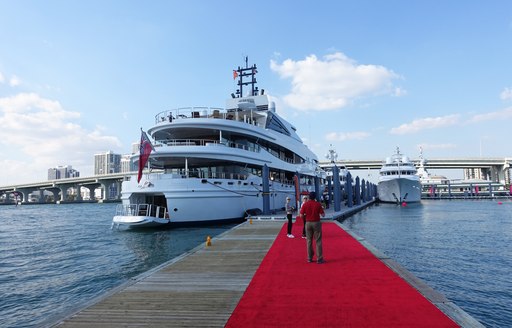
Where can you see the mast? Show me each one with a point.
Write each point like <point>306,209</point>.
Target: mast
<point>247,73</point>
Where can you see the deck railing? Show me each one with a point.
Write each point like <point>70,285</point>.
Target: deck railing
<point>141,210</point>
<point>207,142</point>
<point>168,116</point>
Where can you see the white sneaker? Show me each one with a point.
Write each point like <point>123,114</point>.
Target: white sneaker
<point>291,236</point>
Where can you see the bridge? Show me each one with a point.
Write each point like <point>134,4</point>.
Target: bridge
<point>68,189</point>
<point>498,169</point>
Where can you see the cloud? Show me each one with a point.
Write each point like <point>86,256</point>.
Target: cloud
<point>450,120</point>
<point>40,133</point>
<point>426,123</point>
<point>504,114</point>
<point>14,81</point>
<point>344,136</point>
<point>506,94</point>
<point>399,92</point>
<point>333,82</point>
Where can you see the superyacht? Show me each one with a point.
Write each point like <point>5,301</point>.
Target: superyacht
<point>398,180</point>
<point>209,164</point>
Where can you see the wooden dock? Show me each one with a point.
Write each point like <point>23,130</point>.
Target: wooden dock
<point>202,287</point>
<point>198,289</point>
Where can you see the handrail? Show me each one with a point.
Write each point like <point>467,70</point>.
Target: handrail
<point>189,112</point>
<point>204,142</point>
<point>142,210</point>
<point>244,116</point>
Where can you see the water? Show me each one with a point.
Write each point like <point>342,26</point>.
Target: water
<point>55,257</point>
<point>463,249</point>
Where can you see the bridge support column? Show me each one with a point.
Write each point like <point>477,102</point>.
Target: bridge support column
<point>64,191</point>
<point>40,195</point>
<point>78,197</point>
<point>92,189</point>
<point>55,193</point>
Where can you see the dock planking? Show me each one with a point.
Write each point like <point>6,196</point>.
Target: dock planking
<point>200,289</point>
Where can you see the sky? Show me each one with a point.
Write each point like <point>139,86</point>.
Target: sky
<point>364,77</point>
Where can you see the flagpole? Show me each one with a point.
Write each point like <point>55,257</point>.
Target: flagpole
<point>145,149</point>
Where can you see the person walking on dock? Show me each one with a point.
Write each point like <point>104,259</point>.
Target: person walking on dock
<point>289,211</point>
<point>311,212</point>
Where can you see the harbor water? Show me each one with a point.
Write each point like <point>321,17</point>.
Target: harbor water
<point>461,248</point>
<point>53,258</point>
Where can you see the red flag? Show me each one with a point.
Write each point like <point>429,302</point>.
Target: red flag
<point>235,74</point>
<point>145,149</point>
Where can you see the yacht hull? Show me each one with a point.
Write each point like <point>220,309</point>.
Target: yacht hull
<point>191,201</point>
<point>398,190</point>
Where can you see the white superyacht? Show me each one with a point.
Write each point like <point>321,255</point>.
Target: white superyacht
<point>208,163</point>
<point>398,180</point>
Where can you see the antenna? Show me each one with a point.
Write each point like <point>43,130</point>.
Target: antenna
<point>245,73</point>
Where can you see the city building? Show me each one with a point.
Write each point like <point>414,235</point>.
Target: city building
<point>127,164</point>
<point>475,173</point>
<point>135,147</point>
<point>62,172</point>
<point>106,163</point>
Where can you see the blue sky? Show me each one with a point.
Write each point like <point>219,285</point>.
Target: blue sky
<point>82,77</point>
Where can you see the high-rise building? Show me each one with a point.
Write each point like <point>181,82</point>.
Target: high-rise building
<point>62,172</point>
<point>106,163</point>
<point>135,147</point>
<point>476,173</point>
<point>127,164</point>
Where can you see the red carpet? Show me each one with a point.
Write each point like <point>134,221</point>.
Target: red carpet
<point>352,289</point>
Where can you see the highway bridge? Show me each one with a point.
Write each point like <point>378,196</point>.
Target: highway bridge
<point>498,169</point>
<point>441,163</point>
<point>67,189</point>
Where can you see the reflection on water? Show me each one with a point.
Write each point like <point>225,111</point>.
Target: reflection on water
<point>55,257</point>
<point>462,248</point>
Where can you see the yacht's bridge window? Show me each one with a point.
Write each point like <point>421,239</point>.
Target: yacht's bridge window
<point>275,124</point>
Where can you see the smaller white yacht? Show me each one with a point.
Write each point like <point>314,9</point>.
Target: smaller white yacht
<point>398,180</point>
<point>332,156</point>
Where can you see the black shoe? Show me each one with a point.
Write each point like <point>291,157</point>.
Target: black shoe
<point>320,261</point>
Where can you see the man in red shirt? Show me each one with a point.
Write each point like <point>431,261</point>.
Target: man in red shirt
<point>311,212</point>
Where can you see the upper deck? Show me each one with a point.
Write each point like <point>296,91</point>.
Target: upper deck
<point>253,117</point>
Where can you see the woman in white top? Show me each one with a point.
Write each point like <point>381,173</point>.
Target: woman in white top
<point>289,211</point>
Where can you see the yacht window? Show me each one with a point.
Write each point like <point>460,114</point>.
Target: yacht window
<point>275,124</point>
